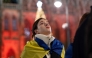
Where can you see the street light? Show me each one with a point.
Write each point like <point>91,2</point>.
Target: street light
<point>58,4</point>
<point>67,21</point>
<point>64,26</point>
<point>39,4</point>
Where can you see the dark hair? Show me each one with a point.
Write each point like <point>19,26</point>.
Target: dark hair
<point>83,18</point>
<point>35,26</point>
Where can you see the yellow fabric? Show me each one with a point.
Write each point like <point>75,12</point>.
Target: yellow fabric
<point>32,50</point>
<point>63,53</point>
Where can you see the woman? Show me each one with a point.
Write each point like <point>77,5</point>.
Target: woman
<point>82,45</point>
<point>44,44</point>
<point>73,48</point>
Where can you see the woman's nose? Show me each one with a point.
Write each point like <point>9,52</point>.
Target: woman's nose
<point>46,24</point>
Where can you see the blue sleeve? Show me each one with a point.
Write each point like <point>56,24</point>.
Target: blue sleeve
<point>69,52</point>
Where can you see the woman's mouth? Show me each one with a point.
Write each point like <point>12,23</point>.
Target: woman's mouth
<point>47,27</point>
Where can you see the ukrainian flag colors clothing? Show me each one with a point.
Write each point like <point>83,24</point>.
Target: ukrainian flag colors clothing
<point>38,49</point>
<point>32,50</point>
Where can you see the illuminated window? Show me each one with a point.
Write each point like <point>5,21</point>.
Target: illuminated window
<point>27,28</point>
<point>14,24</point>
<point>27,32</point>
<point>6,24</point>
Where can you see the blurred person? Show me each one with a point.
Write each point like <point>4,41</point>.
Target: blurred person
<point>69,51</point>
<point>82,45</point>
<point>44,45</point>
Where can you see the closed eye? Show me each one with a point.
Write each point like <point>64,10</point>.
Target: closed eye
<point>41,23</point>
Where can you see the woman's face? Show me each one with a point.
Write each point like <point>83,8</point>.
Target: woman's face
<point>43,27</point>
